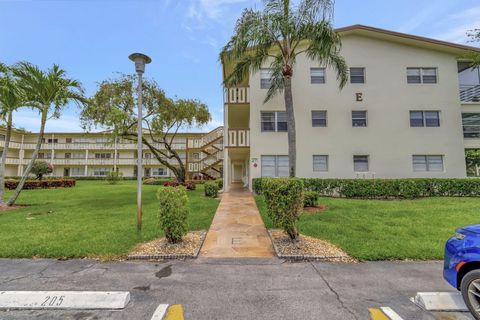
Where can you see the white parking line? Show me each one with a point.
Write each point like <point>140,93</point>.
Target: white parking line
<point>390,313</point>
<point>160,312</point>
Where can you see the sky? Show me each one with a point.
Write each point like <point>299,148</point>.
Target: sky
<point>91,39</point>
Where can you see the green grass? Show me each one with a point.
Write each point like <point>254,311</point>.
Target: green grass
<point>388,230</point>
<point>94,219</point>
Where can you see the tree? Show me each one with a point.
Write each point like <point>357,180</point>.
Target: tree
<point>41,168</point>
<point>472,159</point>
<point>277,35</point>
<point>114,106</point>
<point>474,56</point>
<point>11,99</point>
<point>48,92</point>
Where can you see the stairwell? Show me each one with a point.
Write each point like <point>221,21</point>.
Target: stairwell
<point>210,148</point>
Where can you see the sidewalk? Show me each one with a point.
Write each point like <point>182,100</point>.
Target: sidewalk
<point>237,229</point>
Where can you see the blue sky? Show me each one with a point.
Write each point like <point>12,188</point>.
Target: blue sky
<point>92,39</point>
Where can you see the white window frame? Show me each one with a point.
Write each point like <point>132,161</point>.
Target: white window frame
<point>316,169</point>
<point>318,79</point>
<point>265,83</point>
<point>326,118</point>
<point>276,166</point>
<point>364,75</point>
<point>473,134</point>
<point>368,162</point>
<point>360,118</point>
<point>422,74</point>
<point>275,121</point>
<point>424,118</point>
<point>428,159</point>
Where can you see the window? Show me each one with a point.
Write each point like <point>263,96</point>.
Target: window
<point>52,140</point>
<point>41,156</point>
<point>147,155</point>
<point>274,166</point>
<point>103,155</point>
<point>159,172</point>
<point>424,119</point>
<point>421,75</point>
<point>317,75</point>
<point>471,125</point>
<point>68,155</point>
<point>274,121</point>
<point>101,171</point>
<point>357,75</point>
<point>359,118</point>
<point>360,163</point>
<point>265,78</point>
<point>2,137</point>
<point>427,163</point>
<point>68,140</point>
<point>77,171</point>
<point>319,118</point>
<point>195,156</point>
<point>320,163</point>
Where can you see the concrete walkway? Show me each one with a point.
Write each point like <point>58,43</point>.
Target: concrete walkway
<point>237,229</point>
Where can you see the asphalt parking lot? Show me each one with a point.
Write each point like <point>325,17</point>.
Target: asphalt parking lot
<point>233,289</point>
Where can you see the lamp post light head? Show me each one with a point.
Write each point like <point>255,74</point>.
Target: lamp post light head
<point>140,61</point>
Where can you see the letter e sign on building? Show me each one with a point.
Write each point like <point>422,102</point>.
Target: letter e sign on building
<point>359,96</point>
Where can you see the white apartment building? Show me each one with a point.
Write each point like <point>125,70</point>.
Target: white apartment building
<point>400,115</point>
<point>96,154</point>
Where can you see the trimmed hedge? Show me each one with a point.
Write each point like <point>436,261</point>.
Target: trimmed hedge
<point>189,185</point>
<point>173,212</point>
<point>211,189</point>
<point>388,188</point>
<point>41,184</point>
<point>310,198</point>
<point>284,199</point>
<point>155,181</point>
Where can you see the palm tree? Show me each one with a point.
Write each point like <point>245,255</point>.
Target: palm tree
<point>48,92</point>
<point>278,35</point>
<point>11,99</point>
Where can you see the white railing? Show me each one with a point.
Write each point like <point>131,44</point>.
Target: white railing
<point>470,93</point>
<point>237,95</point>
<point>88,146</point>
<point>206,139</point>
<point>12,145</point>
<point>238,137</point>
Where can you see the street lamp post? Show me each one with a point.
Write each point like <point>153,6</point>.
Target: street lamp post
<point>140,61</point>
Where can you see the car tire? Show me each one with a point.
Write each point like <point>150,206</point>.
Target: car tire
<point>470,288</point>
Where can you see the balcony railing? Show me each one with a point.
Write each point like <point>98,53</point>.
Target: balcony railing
<point>237,95</point>
<point>87,146</point>
<point>207,139</point>
<point>238,137</point>
<point>470,93</point>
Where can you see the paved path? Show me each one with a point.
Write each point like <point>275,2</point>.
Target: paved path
<point>237,229</point>
<point>232,289</point>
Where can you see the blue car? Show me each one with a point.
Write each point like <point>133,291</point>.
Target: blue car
<point>462,265</point>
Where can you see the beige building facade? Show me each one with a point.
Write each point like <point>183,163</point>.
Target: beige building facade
<point>410,109</point>
<point>96,154</point>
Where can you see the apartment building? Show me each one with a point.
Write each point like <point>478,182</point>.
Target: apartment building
<point>96,154</point>
<point>410,110</point>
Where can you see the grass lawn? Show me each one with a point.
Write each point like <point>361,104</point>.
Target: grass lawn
<point>93,219</point>
<point>384,230</point>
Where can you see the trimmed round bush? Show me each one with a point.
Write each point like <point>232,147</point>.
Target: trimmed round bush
<point>173,212</point>
<point>310,198</point>
<point>211,189</point>
<point>284,199</point>
<point>114,177</point>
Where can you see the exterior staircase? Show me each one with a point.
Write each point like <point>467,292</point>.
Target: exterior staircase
<point>210,148</point>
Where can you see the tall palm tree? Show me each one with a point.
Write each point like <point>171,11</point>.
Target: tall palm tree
<point>277,35</point>
<point>11,99</point>
<point>48,92</point>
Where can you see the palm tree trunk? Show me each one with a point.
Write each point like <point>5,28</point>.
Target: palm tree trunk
<point>292,140</point>
<point>4,157</point>
<point>21,183</point>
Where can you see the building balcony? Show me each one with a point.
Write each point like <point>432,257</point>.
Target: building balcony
<point>238,138</point>
<point>237,95</point>
<point>87,146</point>
<point>470,93</point>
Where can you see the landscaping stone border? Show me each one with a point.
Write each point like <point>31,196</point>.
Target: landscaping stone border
<point>170,256</point>
<point>300,257</point>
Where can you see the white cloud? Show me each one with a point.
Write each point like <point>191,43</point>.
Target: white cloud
<point>461,22</point>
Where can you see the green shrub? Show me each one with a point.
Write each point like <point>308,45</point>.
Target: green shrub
<point>41,168</point>
<point>219,183</point>
<point>284,199</point>
<point>41,184</point>
<point>388,188</point>
<point>173,212</point>
<point>114,177</point>
<point>211,189</point>
<point>310,198</point>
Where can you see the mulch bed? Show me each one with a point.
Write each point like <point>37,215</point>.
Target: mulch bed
<point>15,206</point>
<point>317,209</point>
<point>307,248</point>
<point>161,249</point>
